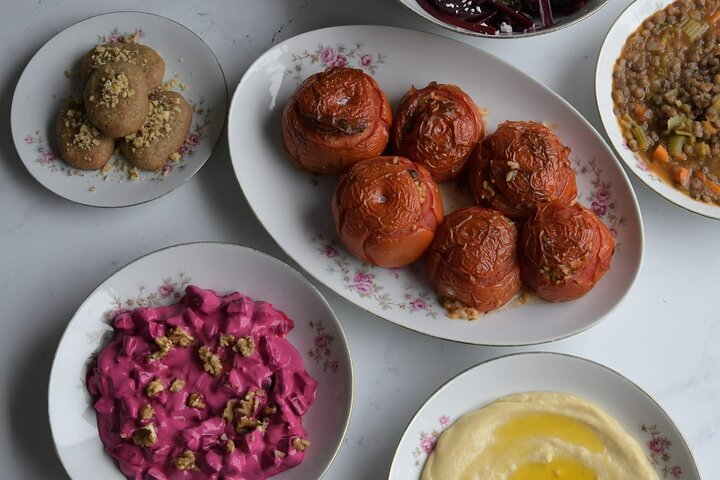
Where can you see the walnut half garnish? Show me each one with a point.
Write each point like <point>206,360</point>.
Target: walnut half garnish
<point>145,436</point>
<point>177,385</point>
<point>227,339</point>
<point>211,361</point>
<point>180,337</point>
<point>229,411</point>
<point>164,346</point>
<point>244,424</point>
<point>186,461</point>
<point>195,400</point>
<point>300,444</point>
<point>146,412</point>
<point>245,345</point>
<point>154,388</point>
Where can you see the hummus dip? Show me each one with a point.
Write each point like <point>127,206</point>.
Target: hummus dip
<point>538,436</point>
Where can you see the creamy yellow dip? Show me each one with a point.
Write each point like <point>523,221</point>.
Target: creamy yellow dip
<point>538,436</point>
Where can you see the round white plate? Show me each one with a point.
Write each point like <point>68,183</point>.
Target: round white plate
<point>561,22</point>
<point>43,87</point>
<point>159,278</point>
<point>629,21</point>
<point>636,411</point>
<point>295,207</point>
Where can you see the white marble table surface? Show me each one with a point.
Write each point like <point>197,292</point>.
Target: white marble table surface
<point>665,336</point>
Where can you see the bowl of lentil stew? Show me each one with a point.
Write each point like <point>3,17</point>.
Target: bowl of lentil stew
<point>658,95</point>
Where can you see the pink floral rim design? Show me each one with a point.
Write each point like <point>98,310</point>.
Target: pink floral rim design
<point>428,440</point>
<point>335,56</point>
<point>363,282</point>
<point>659,453</point>
<point>321,352</point>
<point>115,35</point>
<point>600,199</point>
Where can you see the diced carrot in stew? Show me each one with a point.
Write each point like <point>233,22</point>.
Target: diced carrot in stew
<point>682,176</point>
<point>661,154</point>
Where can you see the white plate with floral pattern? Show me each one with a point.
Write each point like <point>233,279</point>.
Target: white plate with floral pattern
<point>630,20</point>
<point>44,86</point>
<point>158,279</point>
<point>482,384</point>
<point>295,207</point>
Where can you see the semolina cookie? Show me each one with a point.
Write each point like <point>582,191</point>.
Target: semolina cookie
<point>163,133</point>
<point>80,144</point>
<point>116,99</point>
<point>151,63</point>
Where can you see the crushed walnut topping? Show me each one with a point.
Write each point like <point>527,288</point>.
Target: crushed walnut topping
<point>164,346</point>
<point>230,446</point>
<point>267,411</point>
<point>181,337</point>
<point>145,436</point>
<point>243,424</point>
<point>104,54</point>
<point>154,388</point>
<point>211,361</point>
<point>300,444</point>
<point>85,134</point>
<point>245,345</point>
<point>177,385</point>
<point>186,461</point>
<point>115,87</point>
<point>195,400</point>
<point>157,123</point>
<point>227,339</point>
<point>249,404</point>
<point>229,411</point>
<point>134,174</point>
<point>456,309</point>
<point>146,412</point>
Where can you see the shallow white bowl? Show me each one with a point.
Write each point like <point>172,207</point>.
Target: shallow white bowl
<point>43,86</point>
<point>629,21</point>
<point>474,388</point>
<point>295,207</point>
<point>224,268</point>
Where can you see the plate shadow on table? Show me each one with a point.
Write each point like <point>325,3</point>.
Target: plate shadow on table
<point>28,406</point>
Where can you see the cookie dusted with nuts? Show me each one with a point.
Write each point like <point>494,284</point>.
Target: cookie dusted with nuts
<point>126,51</point>
<point>80,144</point>
<point>163,132</point>
<point>116,99</point>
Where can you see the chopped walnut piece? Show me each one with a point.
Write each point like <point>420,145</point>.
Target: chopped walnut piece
<point>300,444</point>
<point>164,346</point>
<point>115,87</point>
<point>211,361</point>
<point>249,404</point>
<point>177,385</point>
<point>267,411</point>
<point>229,411</point>
<point>245,423</point>
<point>157,123</point>
<point>195,400</point>
<point>456,309</point>
<point>175,156</point>
<point>262,425</point>
<point>134,174</point>
<point>154,388</point>
<point>245,345</point>
<point>230,446</point>
<point>186,461</point>
<point>145,436</point>
<point>86,135</point>
<point>146,412</point>
<point>181,337</point>
<point>227,339</point>
<point>280,454</point>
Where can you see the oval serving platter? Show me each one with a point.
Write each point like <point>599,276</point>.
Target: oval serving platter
<point>295,207</point>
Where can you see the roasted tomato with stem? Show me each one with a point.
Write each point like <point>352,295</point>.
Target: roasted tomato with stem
<point>519,167</point>
<point>438,127</point>
<point>387,210</point>
<point>336,118</point>
<point>473,260</point>
<point>564,251</point>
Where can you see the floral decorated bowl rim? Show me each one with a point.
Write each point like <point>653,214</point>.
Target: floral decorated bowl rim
<point>565,21</point>
<point>345,352</point>
<point>22,139</point>
<point>632,18</point>
<point>446,421</point>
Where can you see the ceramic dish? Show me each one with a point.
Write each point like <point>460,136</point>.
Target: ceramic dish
<point>629,21</point>
<point>561,22</point>
<point>636,411</point>
<point>158,278</point>
<point>43,86</point>
<point>295,206</point>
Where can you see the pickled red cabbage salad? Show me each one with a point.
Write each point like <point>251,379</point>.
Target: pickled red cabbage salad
<point>207,388</point>
<point>498,17</point>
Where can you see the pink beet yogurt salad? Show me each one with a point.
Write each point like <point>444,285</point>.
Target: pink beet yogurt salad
<point>208,388</point>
